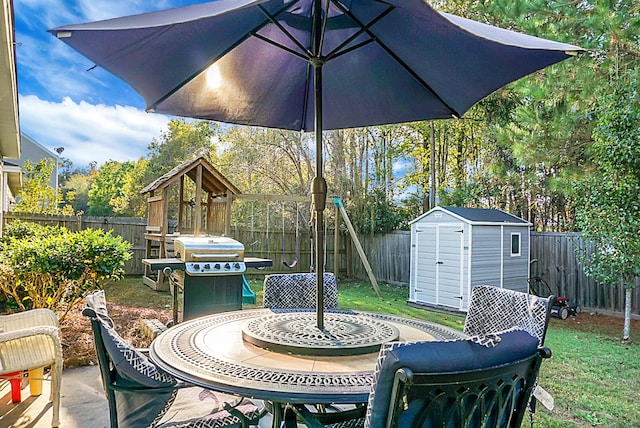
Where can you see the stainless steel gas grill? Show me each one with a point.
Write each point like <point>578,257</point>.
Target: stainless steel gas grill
<point>215,255</point>
<point>208,270</point>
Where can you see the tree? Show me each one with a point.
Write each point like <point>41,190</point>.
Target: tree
<point>132,203</point>
<point>37,195</point>
<point>180,143</point>
<point>267,160</point>
<point>541,147</point>
<point>606,203</point>
<point>75,188</point>
<point>106,192</point>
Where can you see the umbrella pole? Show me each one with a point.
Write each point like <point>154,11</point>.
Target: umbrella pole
<point>319,185</point>
<point>319,198</point>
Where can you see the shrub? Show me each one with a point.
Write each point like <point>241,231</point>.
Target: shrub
<point>51,267</point>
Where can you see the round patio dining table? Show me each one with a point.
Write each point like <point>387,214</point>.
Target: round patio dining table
<point>280,356</point>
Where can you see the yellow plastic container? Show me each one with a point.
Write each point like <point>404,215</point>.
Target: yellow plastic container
<point>35,381</point>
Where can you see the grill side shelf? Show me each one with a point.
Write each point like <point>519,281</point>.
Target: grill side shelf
<point>159,264</point>
<point>255,262</point>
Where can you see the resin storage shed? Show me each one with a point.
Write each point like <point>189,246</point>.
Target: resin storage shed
<point>453,249</point>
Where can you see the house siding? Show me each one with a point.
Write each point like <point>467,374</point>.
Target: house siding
<point>35,152</point>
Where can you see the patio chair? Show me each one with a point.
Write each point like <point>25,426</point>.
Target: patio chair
<point>31,340</point>
<point>494,309</point>
<point>140,394</point>
<point>479,382</point>
<point>298,291</point>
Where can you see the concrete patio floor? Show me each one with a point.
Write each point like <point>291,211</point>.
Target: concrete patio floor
<point>82,403</point>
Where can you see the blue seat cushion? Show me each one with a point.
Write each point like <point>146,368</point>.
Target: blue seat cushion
<point>440,357</point>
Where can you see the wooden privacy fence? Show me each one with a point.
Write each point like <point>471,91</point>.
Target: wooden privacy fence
<point>553,256</point>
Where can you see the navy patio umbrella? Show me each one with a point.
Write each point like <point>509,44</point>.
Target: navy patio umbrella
<point>311,65</point>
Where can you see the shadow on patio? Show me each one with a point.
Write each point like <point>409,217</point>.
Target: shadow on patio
<point>82,403</point>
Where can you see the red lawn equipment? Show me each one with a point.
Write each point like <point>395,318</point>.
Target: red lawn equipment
<point>561,307</point>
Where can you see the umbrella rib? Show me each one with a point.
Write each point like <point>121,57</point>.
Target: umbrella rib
<point>280,46</point>
<point>306,97</point>
<point>275,22</point>
<point>351,49</point>
<point>421,81</point>
<point>363,28</point>
<point>320,43</point>
<point>367,30</point>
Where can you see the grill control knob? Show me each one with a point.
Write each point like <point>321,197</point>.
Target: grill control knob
<point>196,266</point>
<point>236,266</point>
<point>206,266</point>
<point>216,266</point>
<point>227,266</point>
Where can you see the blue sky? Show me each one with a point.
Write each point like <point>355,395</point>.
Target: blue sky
<point>92,114</point>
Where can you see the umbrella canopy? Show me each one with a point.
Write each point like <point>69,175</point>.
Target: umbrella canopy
<point>311,65</point>
<point>250,62</point>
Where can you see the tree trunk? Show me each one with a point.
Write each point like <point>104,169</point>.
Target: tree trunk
<point>627,313</point>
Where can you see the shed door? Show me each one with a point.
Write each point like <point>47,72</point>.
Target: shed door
<point>438,264</point>
<point>449,262</point>
<point>424,263</point>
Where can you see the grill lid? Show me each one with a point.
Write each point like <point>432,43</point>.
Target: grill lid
<point>208,249</point>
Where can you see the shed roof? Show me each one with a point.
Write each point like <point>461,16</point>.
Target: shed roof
<point>479,216</point>
<point>212,180</point>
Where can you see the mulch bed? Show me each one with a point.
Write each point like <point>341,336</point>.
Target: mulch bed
<point>77,338</point>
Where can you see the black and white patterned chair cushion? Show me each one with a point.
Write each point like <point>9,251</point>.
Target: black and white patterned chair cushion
<point>130,363</point>
<point>493,309</point>
<point>298,291</point>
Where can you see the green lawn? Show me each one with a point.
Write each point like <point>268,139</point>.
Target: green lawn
<point>593,378</point>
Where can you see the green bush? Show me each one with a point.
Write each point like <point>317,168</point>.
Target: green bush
<point>51,267</point>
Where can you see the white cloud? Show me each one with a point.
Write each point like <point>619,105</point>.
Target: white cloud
<point>63,104</point>
<point>90,132</point>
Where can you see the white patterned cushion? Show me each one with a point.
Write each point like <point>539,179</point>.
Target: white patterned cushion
<point>131,363</point>
<point>298,291</point>
<point>494,309</point>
